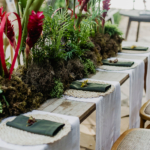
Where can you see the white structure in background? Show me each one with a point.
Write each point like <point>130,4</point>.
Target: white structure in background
<point>11,5</point>
<point>128,4</point>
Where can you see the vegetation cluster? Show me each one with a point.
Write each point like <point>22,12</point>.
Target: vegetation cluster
<point>58,45</point>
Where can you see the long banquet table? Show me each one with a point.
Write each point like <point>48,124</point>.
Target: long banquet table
<point>83,109</point>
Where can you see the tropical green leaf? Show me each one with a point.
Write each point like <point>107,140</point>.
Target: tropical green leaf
<point>5,101</point>
<point>1,108</point>
<point>1,91</point>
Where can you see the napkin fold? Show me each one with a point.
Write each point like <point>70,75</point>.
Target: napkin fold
<point>138,48</point>
<point>42,127</point>
<point>94,87</point>
<point>119,63</point>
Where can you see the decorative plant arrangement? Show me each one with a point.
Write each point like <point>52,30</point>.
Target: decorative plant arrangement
<point>108,37</point>
<point>56,47</point>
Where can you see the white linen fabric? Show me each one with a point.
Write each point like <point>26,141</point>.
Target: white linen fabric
<point>108,114</point>
<point>69,142</point>
<point>148,65</point>
<point>135,91</point>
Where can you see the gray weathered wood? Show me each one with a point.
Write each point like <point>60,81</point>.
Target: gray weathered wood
<point>144,58</point>
<point>69,107</point>
<point>111,76</point>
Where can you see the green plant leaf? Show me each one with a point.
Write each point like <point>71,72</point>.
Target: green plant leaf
<point>1,91</point>
<point>1,108</point>
<point>5,101</point>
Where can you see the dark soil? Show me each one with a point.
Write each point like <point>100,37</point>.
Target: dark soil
<point>20,97</point>
<point>43,76</point>
<point>109,45</point>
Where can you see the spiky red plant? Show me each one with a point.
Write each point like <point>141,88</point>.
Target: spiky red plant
<point>34,28</point>
<point>2,55</point>
<point>9,28</point>
<point>106,7</point>
<point>83,4</point>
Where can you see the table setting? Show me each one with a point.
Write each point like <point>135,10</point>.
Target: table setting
<point>108,110</point>
<point>136,75</point>
<point>148,62</point>
<point>40,131</point>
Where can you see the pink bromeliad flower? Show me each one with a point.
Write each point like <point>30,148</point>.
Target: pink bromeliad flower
<point>34,28</point>
<point>9,28</point>
<point>106,7</point>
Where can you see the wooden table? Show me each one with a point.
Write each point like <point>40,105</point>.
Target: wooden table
<point>81,109</point>
<point>134,16</point>
<point>84,109</point>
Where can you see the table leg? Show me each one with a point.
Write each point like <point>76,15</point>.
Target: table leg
<point>145,75</point>
<point>137,35</point>
<point>128,27</point>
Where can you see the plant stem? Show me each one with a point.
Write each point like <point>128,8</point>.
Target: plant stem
<point>67,4</point>
<point>74,8</point>
<point>20,9</point>
<point>18,60</point>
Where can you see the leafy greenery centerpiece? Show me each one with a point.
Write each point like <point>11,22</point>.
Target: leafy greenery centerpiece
<point>57,47</point>
<point>108,37</point>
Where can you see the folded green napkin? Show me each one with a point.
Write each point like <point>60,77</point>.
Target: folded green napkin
<point>43,127</point>
<point>138,48</point>
<point>121,64</point>
<point>94,87</point>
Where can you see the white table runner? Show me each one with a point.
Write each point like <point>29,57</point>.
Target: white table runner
<point>135,91</point>
<point>69,142</point>
<point>148,66</point>
<point>108,114</point>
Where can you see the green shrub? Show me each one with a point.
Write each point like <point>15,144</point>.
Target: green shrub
<point>89,67</point>
<point>112,29</point>
<point>57,90</point>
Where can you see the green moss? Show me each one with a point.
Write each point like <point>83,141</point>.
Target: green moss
<point>57,90</point>
<point>89,67</point>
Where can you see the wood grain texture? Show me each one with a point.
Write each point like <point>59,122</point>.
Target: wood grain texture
<point>111,76</point>
<point>69,107</point>
<point>144,58</point>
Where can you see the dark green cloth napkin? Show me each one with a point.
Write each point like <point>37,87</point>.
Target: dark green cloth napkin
<point>43,127</point>
<point>138,48</point>
<point>94,87</point>
<point>121,64</point>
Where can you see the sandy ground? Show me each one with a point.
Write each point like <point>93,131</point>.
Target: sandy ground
<point>88,126</point>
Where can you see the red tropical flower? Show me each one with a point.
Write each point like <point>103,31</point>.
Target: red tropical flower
<point>80,2</point>
<point>83,4</point>
<point>34,28</point>
<point>106,7</point>
<point>9,28</point>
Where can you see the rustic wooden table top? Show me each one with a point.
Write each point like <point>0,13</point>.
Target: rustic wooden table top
<point>144,58</point>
